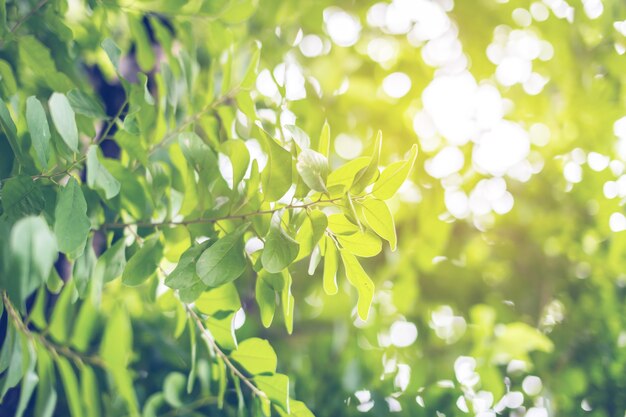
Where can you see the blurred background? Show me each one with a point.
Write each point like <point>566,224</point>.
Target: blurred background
<point>509,277</point>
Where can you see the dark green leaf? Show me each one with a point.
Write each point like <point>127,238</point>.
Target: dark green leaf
<point>71,224</point>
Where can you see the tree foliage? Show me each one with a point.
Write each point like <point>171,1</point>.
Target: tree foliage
<point>219,208</point>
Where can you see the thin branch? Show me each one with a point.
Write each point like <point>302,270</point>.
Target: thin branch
<point>209,339</point>
<point>28,15</point>
<point>215,219</point>
<point>76,357</point>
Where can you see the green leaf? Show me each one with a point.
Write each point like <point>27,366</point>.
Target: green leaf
<point>85,327</point>
<point>379,218</point>
<point>62,315</point>
<point>174,388</point>
<point>224,261</point>
<point>276,176</point>
<point>71,224</point>
<point>21,196</point>
<point>256,355</point>
<point>84,104</point>
<point>311,232</point>
<point>15,360</point>
<point>265,298</point>
<point>393,176</point>
<point>366,175</point>
<point>299,136</point>
<point>298,409</point>
<point>113,51</point>
<point>280,249</point>
<point>116,351</point>
<point>70,386</point>
<point>323,146</point>
<point>223,330</point>
<point>144,52</point>
<point>360,280</point>
<point>276,387</point>
<point>111,263</point>
<point>98,178</point>
<point>90,391</point>
<point>83,270</point>
<point>184,275</point>
<point>8,126</point>
<point>239,157</point>
<point>37,57</point>
<point>313,168</point>
<point>144,262</point>
<point>342,178</point>
<point>38,129</point>
<point>34,250</point>
<point>363,244</point>
<point>64,119</point>
<point>223,299</point>
<point>249,77</point>
<point>46,393</point>
<point>331,263</point>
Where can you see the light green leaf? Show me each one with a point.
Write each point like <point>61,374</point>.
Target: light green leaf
<point>280,249</point>
<point>173,388</point>
<point>90,391</point>
<point>265,298</point>
<point>70,386</point>
<point>256,355</point>
<point>276,387</point>
<point>369,174</point>
<point>144,52</point>
<point>38,129</point>
<point>311,232</point>
<point>393,176</point>
<point>8,126</point>
<point>363,244</point>
<point>71,224</point>
<point>63,314</point>
<point>113,52</point>
<point>331,263</point>
<point>299,136</point>
<point>21,196</point>
<point>36,56</point>
<point>84,104</point>
<point>360,280</point>
<point>98,178</point>
<point>249,77</point>
<point>324,142</point>
<point>144,262</point>
<point>223,299</point>
<point>112,263</point>
<point>223,330</point>
<point>64,119</point>
<point>184,275</point>
<point>34,251</point>
<point>342,178</point>
<point>379,218</point>
<point>46,394</point>
<point>239,157</point>
<point>276,176</point>
<point>224,261</point>
<point>85,327</point>
<point>116,351</point>
<point>313,168</point>
<point>298,409</point>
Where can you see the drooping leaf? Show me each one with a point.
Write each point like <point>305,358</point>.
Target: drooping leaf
<point>324,141</point>
<point>223,299</point>
<point>144,262</point>
<point>256,355</point>
<point>98,178</point>
<point>8,126</point>
<point>64,119</point>
<point>70,386</point>
<point>276,176</point>
<point>311,232</point>
<point>280,249</point>
<point>239,157</point>
<point>71,224</point>
<point>33,250</point>
<point>276,387</point>
<point>331,263</point>
<point>184,275</point>
<point>22,196</point>
<point>38,129</point>
<point>224,261</point>
<point>360,280</point>
<point>299,136</point>
<point>37,57</point>
<point>84,104</point>
<point>266,299</point>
